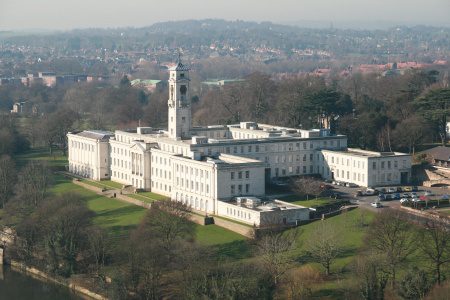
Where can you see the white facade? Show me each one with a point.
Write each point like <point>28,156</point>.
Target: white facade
<point>208,167</point>
<point>366,168</point>
<point>89,154</point>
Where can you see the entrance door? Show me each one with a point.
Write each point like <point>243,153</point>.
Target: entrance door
<point>404,177</point>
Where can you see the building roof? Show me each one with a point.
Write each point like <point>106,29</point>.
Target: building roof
<point>439,153</point>
<point>366,153</point>
<point>180,67</point>
<point>96,134</point>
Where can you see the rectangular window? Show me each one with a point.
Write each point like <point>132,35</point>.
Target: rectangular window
<point>374,165</point>
<point>240,175</point>
<point>232,189</point>
<point>247,174</point>
<point>232,175</point>
<point>247,188</point>
<point>240,189</point>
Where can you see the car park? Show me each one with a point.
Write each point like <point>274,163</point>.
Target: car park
<point>404,200</point>
<point>376,204</point>
<point>392,190</point>
<point>370,192</point>
<point>428,193</point>
<point>389,197</point>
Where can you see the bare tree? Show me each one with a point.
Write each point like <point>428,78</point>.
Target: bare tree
<point>307,186</point>
<point>7,178</point>
<point>434,242</point>
<point>34,180</point>
<point>372,277</point>
<point>392,238</point>
<point>324,246</point>
<point>273,247</point>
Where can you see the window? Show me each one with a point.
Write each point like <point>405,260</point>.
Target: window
<point>389,164</point>
<point>257,148</point>
<point>247,174</point>
<point>311,157</point>
<point>247,188</point>
<point>232,175</point>
<point>240,189</point>
<point>232,189</point>
<point>382,164</point>
<point>374,165</point>
<point>240,175</point>
<point>395,164</point>
<point>304,169</point>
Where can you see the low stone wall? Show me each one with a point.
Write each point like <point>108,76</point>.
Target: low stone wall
<point>87,186</point>
<point>15,265</point>
<point>238,228</point>
<point>426,214</point>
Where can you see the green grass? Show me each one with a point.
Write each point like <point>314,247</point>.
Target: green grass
<point>234,221</point>
<point>111,184</point>
<point>153,196</point>
<point>140,198</point>
<point>295,199</point>
<point>42,154</point>
<point>115,216</point>
<point>93,183</point>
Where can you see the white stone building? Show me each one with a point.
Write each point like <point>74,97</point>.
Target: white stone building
<point>366,168</point>
<point>89,154</point>
<point>208,167</point>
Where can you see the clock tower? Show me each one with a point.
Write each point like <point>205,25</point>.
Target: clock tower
<point>179,103</point>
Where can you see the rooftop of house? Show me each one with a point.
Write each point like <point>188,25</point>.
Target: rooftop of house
<point>94,134</point>
<point>439,153</point>
<point>257,204</point>
<point>366,153</point>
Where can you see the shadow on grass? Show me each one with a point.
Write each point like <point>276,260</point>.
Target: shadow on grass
<point>305,257</point>
<point>233,250</point>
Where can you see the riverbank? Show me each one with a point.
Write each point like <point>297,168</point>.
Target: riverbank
<point>40,275</point>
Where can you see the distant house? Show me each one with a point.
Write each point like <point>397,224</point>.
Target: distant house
<point>219,83</point>
<point>148,84</point>
<point>440,156</point>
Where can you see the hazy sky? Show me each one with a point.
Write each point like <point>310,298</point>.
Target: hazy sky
<point>64,14</point>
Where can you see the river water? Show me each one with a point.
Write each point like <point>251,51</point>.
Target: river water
<point>17,286</point>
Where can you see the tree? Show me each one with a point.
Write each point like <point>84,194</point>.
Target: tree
<point>34,180</point>
<point>272,248</point>
<point>434,242</point>
<point>415,285</point>
<point>371,277</point>
<point>391,238</point>
<point>435,107</point>
<point>307,186</point>
<point>324,246</point>
<point>410,133</point>
<point>64,223</point>
<point>7,179</point>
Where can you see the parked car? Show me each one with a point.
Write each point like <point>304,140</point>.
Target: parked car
<point>414,195</point>
<point>415,189</point>
<point>404,200</point>
<point>445,197</point>
<point>392,190</point>
<point>428,193</point>
<point>371,192</point>
<point>381,190</point>
<point>389,197</point>
<point>324,186</point>
<point>415,199</point>
<point>399,189</point>
<point>396,196</point>
<point>376,204</point>
<point>407,189</point>
<point>359,193</point>
<point>351,184</point>
<point>406,195</point>
<point>381,197</point>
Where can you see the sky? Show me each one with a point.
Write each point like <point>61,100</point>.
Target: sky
<point>65,14</point>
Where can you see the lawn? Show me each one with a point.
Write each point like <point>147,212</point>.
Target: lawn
<point>295,199</point>
<point>111,184</point>
<point>116,216</point>
<point>153,196</point>
<point>42,154</point>
<point>141,198</point>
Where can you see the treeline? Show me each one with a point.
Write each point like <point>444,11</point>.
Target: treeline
<point>377,113</point>
<point>396,113</point>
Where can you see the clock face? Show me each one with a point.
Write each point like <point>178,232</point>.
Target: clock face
<point>183,90</point>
